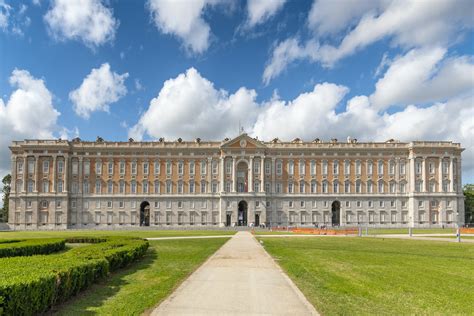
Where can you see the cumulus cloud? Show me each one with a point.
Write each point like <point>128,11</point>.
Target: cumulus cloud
<point>409,24</point>
<point>4,14</point>
<point>183,19</point>
<point>286,52</point>
<point>189,106</point>
<point>259,11</point>
<point>98,90</point>
<point>28,113</point>
<point>86,20</point>
<point>424,75</point>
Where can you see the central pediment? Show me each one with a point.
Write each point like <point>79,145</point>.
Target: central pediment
<point>243,141</point>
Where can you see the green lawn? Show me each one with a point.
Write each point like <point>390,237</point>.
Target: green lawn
<point>142,286</point>
<point>384,231</point>
<point>267,232</point>
<point>354,276</point>
<point>132,233</point>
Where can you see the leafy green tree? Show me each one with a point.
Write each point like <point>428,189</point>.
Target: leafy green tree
<point>6,181</point>
<point>469,203</point>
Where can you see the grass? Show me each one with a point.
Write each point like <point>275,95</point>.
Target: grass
<point>149,281</point>
<point>354,276</point>
<point>96,233</point>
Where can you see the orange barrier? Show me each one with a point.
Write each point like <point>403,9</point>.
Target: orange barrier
<point>320,231</point>
<point>467,230</point>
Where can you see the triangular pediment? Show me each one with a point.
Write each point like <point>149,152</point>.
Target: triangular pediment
<point>243,141</point>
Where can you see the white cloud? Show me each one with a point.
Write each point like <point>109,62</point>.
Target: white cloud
<point>98,90</point>
<point>138,85</point>
<point>189,106</point>
<point>28,113</point>
<point>424,75</point>
<point>184,20</point>
<point>329,17</point>
<point>287,52</point>
<point>86,20</point>
<point>409,24</point>
<point>259,11</point>
<point>4,14</point>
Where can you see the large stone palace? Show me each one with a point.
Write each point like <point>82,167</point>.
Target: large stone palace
<point>59,184</point>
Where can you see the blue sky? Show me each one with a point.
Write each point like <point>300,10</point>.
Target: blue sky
<point>368,69</point>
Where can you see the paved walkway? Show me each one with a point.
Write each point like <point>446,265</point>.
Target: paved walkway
<point>239,279</point>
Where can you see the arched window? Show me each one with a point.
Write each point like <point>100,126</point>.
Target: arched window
<point>313,186</point>
<point>98,187</point>
<point>335,186</point>
<point>110,187</point>
<point>145,187</point>
<point>45,186</point>
<point>325,186</point>
<point>358,186</point>
<point>302,186</point>
<point>347,186</point>
<point>31,185</point>
<point>380,187</point>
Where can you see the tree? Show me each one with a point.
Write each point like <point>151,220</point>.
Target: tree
<point>469,203</point>
<point>6,196</point>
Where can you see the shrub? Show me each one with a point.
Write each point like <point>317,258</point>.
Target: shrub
<point>31,285</point>
<point>29,247</point>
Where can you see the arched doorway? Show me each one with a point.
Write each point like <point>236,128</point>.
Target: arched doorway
<point>242,177</point>
<point>242,214</point>
<point>145,214</point>
<point>336,213</point>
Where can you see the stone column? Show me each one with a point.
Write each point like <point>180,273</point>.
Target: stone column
<point>272,169</point>
<point>36,176</point>
<point>80,184</point>
<point>66,173</point>
<point>209,174</point>
<point>262,174</point>
<point>397,175</point>
<point>440,175</point>
<point>25,172</point>
<point>423,174</point>
<point>451,174</point>
<point>251,175</point>
<point>14,177</point>
<point>222,172</point>
<point>411,173</point>
<point>54,173</point>
<point>234,178</point>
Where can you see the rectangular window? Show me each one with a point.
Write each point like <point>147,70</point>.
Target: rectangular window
<point>60,166</point>
<point>214,167</point>
<point>279,168</point>
<point>431,168</point>
<point>98,167</point>
<point>203,167</point>
<point>391,167</point>
<point>291,168</point>
<point>268,187</point>
<point>278,188</point>
<point>313,187</point>
<point>191,167</point>
<point>31,166</point>
<point>157,167</point>
<point>133,187</point>
<point>313,168</point>
<point>418,167</point>
<point>146,167</point>
<point>134,168</point>
<point>402,167</point>
<point>380,167</point>
<point>256,167</point>
<point>145,187</point>
<point>20,166</point>
<point>445,167</point>
<point>122,167</point>
<point>180,187</point>
<point>358,168</point>
<point>168,187</point>
<point>45,166</point>
<point>268,168</point>
<point>168,168</point>
<point>228,167</point>
<point>335,167</point>
<point>347,167</point>
<point>110,167</point>
<point>369,168</point>
<point>325,168</point>
<point>214,187</point>
<point>290,187</point>
<point>191,187</point>
<point>180,168</point>
<point>75,167</point>
<point>301,166</point>
<point>87,167</point>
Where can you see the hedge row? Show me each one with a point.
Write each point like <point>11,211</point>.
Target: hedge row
<point>31,285</point>
<point>29,247</point>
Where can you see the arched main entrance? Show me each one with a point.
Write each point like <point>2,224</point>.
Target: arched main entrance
<point>242,214</point>
<point>145,214</point>
<point>242,177</point>
<point>336,213</point>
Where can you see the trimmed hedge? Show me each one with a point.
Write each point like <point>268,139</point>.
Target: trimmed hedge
<point>30,247</point>
<point>31,285</point>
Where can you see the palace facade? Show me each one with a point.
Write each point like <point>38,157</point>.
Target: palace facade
<point>59,184</point>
